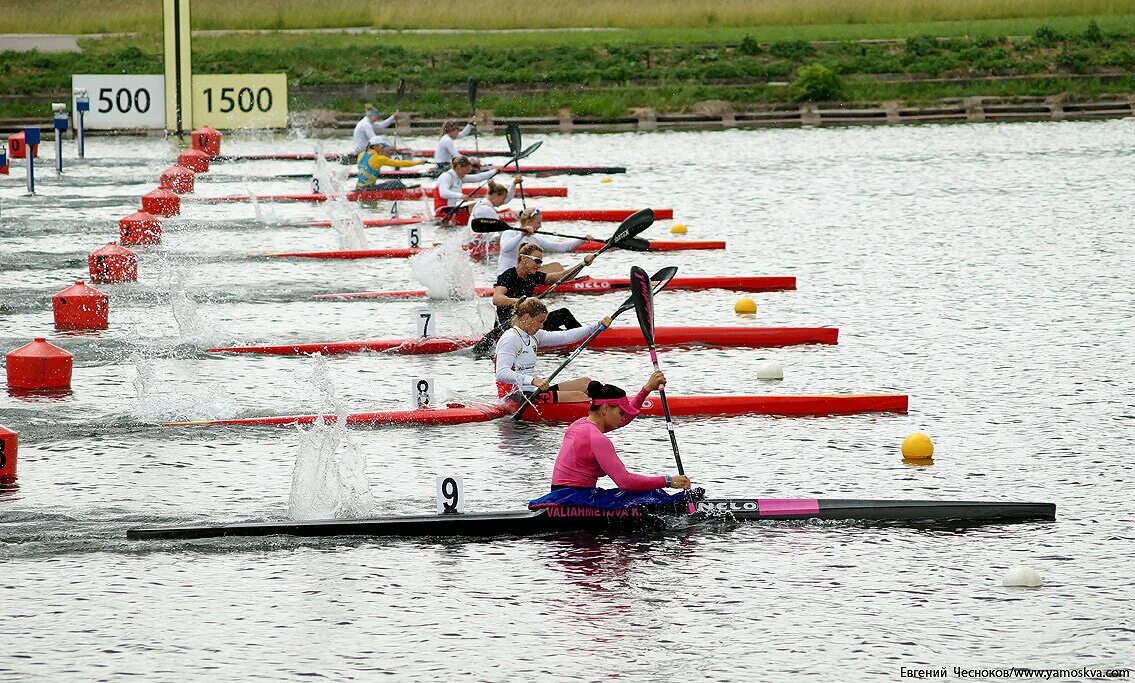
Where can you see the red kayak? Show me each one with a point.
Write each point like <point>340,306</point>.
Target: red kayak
<point>590,285</point>
<point>538,171</point>
<point>335,157</point>
<point>407,252</point>
<point>599,215</point>
<point>373,195</point>
<point>685,406</point>
<point>614,338</point>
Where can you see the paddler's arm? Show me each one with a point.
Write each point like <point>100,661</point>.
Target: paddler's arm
<point>501,299</point>
<point>482,176</point>
<point>447,191</point>
<point>385,123</point>
<point>614,468</point>
<point>564,337</point>
<point>467,129</point>
<point>656,380</point>
<point>506,358</point>
<point>381,160</point>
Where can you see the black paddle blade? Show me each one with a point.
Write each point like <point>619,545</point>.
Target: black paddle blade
<point>634,244</point>
<point>401,92</point>
<point>643,295</point>
<point>633,225</point>
<point>532,148</point>
<point>512,135</point>
<point>473,93</point>
<point>659,280</point>
<point>489,225</point>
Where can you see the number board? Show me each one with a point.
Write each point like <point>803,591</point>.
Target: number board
<point>241,100</point>
<point>119,101</point>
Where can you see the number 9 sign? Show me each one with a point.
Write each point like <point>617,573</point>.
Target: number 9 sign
<point>450,495</point>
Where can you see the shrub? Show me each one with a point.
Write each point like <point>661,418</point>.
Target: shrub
<point>792,49</point>
<point>1046,36</point>
<point>816,82</point>
<point>1093,34</point>
<point>921,45</point>
<point>1122,56</point>
<point>749,46</point>
<point>1076,61</point>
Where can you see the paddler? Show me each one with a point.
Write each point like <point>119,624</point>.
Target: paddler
<point>446,150</point>
<point>588,454</point>
<point>448,190</point>
<point>520,282</point>
<point>368,127</point>
<point>486,207</point>
<point>511,240</point>
<point>372,159</point>
<point>515,358</point>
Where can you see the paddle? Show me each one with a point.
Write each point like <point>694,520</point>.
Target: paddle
<point>397,105</point>
<point>450,210</point>
<point>512,135</point>
<point>633,225</point>
<point>660,280</point>
<point>473,111</point>
<point>643,299</point>
<point>483,225</point>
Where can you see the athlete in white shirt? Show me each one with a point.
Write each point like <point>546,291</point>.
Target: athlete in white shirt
<point>446,149</point>
<point>368,127</point>
<point>526,233</point>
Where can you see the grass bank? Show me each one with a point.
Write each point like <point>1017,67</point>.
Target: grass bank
<point>87,16</point>
<point>593,74</point>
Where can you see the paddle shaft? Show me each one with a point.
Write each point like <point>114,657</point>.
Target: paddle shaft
<point>473,113</point>
<point>666,412</point>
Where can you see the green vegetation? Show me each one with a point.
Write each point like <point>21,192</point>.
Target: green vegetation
<point>85,16</point>
<point>608,73</point>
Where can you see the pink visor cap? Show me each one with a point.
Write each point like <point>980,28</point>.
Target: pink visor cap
<point>624,403</point>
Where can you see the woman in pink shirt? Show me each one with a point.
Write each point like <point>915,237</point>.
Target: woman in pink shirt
<point>588,454</point>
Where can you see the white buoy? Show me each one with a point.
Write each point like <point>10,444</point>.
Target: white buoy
<point>770,370</point>
<point>1022,576</point>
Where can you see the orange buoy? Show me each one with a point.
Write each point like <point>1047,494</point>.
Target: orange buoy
<point>80,307</point>
<point>113,263</point>
<point>161,202</point>
<point>18,149</point>
<point>206,140</point>
<point>177,179</point>
<point>140,227</point>
<point>195,160</point>
<point>9,444</point>
<point>39,365</point>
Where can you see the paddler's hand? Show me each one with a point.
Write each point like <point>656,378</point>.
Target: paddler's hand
<point>589,259</point>
<point>591,238</point>
<point>517,180</point>
<point>540,383</point>
<point>657,379</point>
<point>680,481</point>
<point>605,322</point>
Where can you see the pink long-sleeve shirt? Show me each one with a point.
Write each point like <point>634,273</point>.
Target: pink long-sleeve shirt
<point>588,454</point>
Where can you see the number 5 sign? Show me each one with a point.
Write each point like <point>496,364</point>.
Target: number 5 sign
<point>119,101</point>
<point>241,101</point>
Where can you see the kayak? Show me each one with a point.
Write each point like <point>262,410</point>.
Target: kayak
<point>685,406</point>
<point>576,519</point>
<point>590,285</point>
<point>537,171</point>
<point>407,252</point>
<point>551,215</point>
<point>330,156</point>
<point>373,195</point>
<point>612,338</point>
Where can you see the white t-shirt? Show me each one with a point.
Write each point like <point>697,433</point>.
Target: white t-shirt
<point>513,240</point>
<point>365,130</point>
<point>449,186</point>
<point>446,148</point>
<point>516,352</point>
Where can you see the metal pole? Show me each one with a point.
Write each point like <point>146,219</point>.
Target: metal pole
<point>61,124</point>
<point>31,137</point>
<point>82,106</point>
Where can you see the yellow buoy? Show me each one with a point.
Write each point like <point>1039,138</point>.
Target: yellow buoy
<point>678,229</point>
<point>917,446</point>
<point>605,180</point>
<point>745,306</point>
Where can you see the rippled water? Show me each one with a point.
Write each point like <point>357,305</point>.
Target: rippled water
<point>986,270</point>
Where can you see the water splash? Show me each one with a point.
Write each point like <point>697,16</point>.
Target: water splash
<point>166,395</point>
<point>329,479</point>
<point>446,272</point>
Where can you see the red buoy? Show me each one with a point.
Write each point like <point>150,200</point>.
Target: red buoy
<point>9,444</point>
<point>177,179</point>
<point>18,149</point>
<point>38,366</point>
<point>140,227</point>
<point>161,202</point>
<point>195,160</point>
<point>206,140</point>
<point>80,307</point>
<point>113,263</point>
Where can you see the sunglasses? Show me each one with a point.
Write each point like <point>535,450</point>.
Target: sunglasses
<point>537,261</point>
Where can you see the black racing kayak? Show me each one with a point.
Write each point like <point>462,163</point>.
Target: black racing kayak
<point>527,522</point>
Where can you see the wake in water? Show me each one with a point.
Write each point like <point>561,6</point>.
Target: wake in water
<point>446,271</point>
<point>345,217</point>
<point>166,394</point>
<point>329,480</point>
